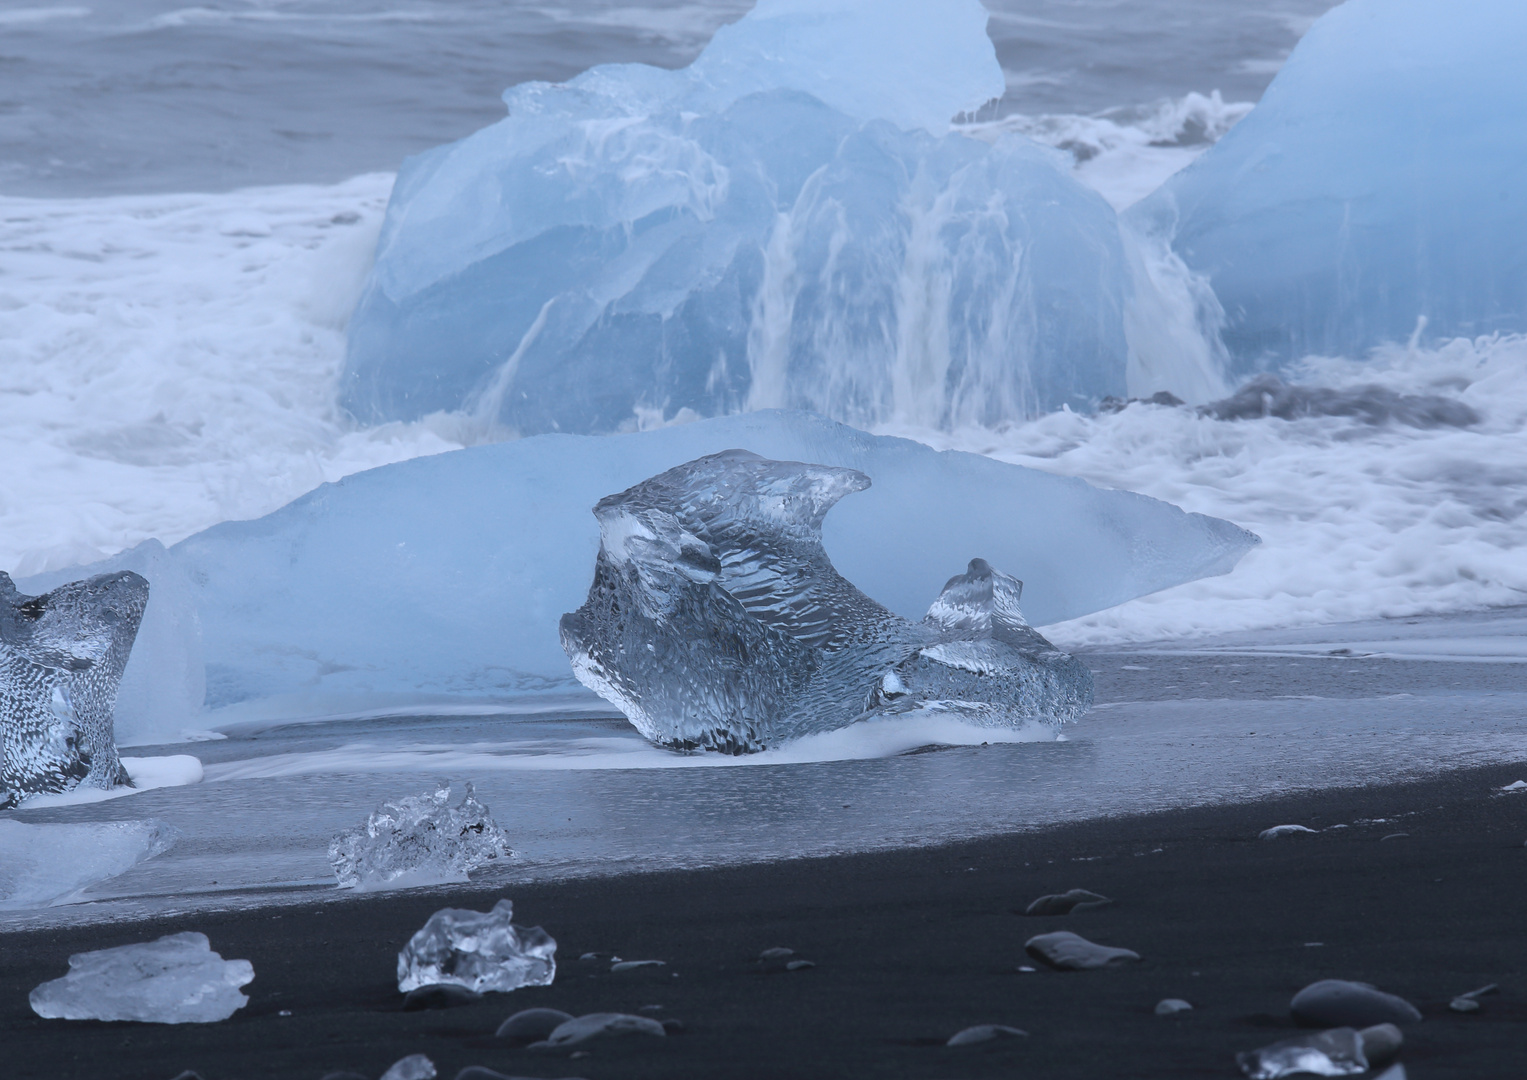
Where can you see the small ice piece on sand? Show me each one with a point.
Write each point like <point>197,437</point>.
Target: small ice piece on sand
<point>1066,951</point>
<point>982,1033</point>
<point>419,840</point>
<point>722,557</point>
<point>62,655</point>
<point>481,951</point>
<point>1067,902</point>
<point>574,1033</point>
<point>1172,1006</point>
<point>1339,1003</point>
<point>175,980</point>
<point>800,965</point>
<point>532,1025</point>
<point>1469,1002</point>
<point>413,1067</point>
<point>1282,830</point>
<point>636,965</point>
<point>1520,785</point>
<point>1338,1052</point>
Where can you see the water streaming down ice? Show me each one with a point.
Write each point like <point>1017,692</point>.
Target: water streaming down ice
<point>717,621</point>
<point>62,655</point>
<point>785,223</point>
<point>1377,184</point>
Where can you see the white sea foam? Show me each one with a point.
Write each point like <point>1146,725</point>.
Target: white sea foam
<point>146,774</point>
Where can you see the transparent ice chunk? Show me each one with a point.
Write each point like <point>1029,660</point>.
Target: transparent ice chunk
<point>175,980</point>
<point>50,864</point>
<point>482,951</point>
<point>1338,1052</point>
<point>717,621</point>
<point>419,840</point>
<point>62,655</point>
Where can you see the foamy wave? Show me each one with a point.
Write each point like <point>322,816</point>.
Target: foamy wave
<point>1359,521</point>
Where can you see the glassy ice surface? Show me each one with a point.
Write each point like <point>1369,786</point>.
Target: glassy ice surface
<point>424,839</point>
<point>175,980</point>
<point>775,226</point>
<point>483,550</point>
<point>52,864</point>
<point>1338,1052</point>
<point>1376,184</point>
<point>717,621</point>
<point>61,661</point>
<point>482,951</point>
<point>588,796</point>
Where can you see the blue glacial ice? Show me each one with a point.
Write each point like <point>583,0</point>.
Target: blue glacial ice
<point>443,578</point>
<point>1378,183</point>
<point>716,620</point>
<point>787,223</point>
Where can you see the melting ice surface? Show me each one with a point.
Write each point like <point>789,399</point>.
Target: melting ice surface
<point>62,656</point>
<point>442,579</point>
<point>1377,182</point>
<point>716,620</point>
<point>785,223</point>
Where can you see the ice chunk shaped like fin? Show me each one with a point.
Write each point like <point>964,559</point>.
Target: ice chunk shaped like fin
<point>51,864</point>
<point>62,655</point>
<point>482,951</point>
<point>774,643</point>
<point>419,840</point>
<point>175,980</point>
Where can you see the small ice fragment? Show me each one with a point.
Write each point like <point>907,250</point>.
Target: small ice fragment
<point>1072,952</point>
<point>775,954</point>
<point>175,980</point>
<point>413,1067</point>
<point>419,840</point>
<point>532,1025</point>
<point>1395,836</point>
<point>599,1026</point>
<point>1282,830</point>
<point>1027,969</point>
<point>1067,902</point>
<point>482,951</point>
<point>62,656</point>
<point>985,1033</point>
<point>1338,1052</point>
<point>633,965</point>
<point>1463,1004</point>
<point>1172,1006</point>
<point>799,965</point>
<point>1520,785</point>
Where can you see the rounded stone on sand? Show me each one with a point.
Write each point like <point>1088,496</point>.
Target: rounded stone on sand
<point>532,1025</point>
<point>1283,830</point>
<point>1066,951</point>
<point>1381,1043</point>
<point>1339,1003</point>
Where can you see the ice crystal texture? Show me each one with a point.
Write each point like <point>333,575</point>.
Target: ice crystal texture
<point>1338,1052</point>
<point>1377,182</point>
<point>482,951</point>
<point>175,980</point>
<point>717,621</point>
<point>61,661</point>
<point>786,223</point>
<point>419,840</point>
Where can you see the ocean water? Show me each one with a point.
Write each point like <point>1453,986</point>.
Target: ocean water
<point>189,198</point>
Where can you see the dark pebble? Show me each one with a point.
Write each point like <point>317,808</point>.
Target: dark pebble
<point>442,996</point>
<point>1338,1003</point>
<point>1067,902</point>
<point>532,1025</point>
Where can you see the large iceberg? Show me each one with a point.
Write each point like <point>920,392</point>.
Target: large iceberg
<point>62,655</point>
<point>717,621</point>
<point>445,577</point>
<point>788,222</point>
<point>1377,184</point>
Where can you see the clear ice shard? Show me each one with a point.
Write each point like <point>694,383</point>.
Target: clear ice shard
<point>717,621</point>
<point>1377,183</point>
<point>419,840</point>
<point>482,951</point>
<point>786,223</point>
<point>1338,1052</point>
<point>175,980</point>
<point>52,863</point>
<point>62,655</point>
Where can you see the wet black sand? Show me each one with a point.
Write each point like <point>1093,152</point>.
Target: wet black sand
<point>910,947</point>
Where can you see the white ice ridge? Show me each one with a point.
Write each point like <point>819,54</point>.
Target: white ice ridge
<point>786,223</point>
<point>41,865</point>
<point>1376,185</point>
<point>445,576</point>
<point>175,980</point>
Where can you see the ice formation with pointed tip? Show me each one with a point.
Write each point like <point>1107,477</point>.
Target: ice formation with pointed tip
<point>717,621</point>
<point>62,655</point>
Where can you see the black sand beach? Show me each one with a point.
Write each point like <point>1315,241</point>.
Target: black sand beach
<point>909,947</point>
